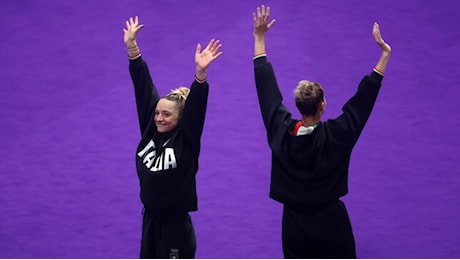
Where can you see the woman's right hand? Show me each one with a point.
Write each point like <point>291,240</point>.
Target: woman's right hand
<point>132,28</point>
<point>261,21</point>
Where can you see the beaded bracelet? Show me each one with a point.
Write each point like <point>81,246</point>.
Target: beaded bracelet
<point>133,52</point>
<point>200,80</point>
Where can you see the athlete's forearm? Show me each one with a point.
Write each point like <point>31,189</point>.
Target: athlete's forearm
<point>382,63</point>
<point>259,44</point>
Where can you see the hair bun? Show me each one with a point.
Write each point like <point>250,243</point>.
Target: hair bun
<point>182,91</point>
<point>179,94</point>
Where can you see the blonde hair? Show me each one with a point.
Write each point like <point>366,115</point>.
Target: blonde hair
<point>308,96</point>
<point>178,95</point>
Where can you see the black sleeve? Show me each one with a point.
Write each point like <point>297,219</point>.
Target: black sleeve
<point>193,117</point>
<point>358,108</point>
<point>276,117</point>
<point>145,92</point>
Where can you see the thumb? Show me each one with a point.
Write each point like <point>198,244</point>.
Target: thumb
<point>198,49</point>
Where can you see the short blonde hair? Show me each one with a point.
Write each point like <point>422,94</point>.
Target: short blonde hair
<point>308,96</point>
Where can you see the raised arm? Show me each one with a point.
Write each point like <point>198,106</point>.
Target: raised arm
<point>192,120</point>
<point>145,91</point>
<point>261,26</point>
<point>358,108</point>
<point>381,65</point>
<point>274,114</point>
<point>204,58</point>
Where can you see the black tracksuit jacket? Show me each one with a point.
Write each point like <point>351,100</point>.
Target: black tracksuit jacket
<point>167,172</point>
<point>311,169</point>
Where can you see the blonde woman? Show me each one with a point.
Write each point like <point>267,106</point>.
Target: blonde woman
<point>167,155</point>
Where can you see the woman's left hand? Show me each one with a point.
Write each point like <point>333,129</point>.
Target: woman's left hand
<point>203,58</point>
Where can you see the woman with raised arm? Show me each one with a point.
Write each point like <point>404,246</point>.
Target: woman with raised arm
<point>310,157</point>
<point>167,155</point>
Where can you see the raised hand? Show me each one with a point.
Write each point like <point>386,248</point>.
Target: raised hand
<point>382,63</point>
<point>203,58</point>
<point>261,18</point>
<point>132,28</point>
<point>378,38</point>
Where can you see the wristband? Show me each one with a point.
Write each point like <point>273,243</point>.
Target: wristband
<point>134,56</point>
<point>379,72</point>
<point>133,52</point>
<point>263,54</point>
<point>200,80</point>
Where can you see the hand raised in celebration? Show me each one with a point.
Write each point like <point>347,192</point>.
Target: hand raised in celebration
<point>132,28</point>
<point>261,24</point>
<point>378,38</point>
<point>203,58</point>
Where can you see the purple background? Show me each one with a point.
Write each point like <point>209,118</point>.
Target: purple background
<point>68,186</point>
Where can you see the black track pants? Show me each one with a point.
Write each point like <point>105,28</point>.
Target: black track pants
<point>319,232</point>
<point>172,237</point>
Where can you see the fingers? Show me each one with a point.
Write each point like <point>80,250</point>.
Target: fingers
<point>261,17</point>
<point>198,49</point>
<point>214,46</point>
<point>211,52</point>
<point>271,23</point>
<point>203,58</point>
<point>211,42</point>
<point>217,55</point>
<point>133,23</point>
<point>376,25</point>
<point>379,39</point>
<point>378,34</point>
<point>262,13</point>
<point>376,29</point>
<point>258,14</point>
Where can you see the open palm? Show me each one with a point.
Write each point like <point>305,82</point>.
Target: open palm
<point>132,28</point>
<point>203,58</point>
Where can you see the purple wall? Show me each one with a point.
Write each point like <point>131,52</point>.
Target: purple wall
<point>68,186</point>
